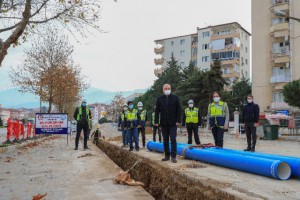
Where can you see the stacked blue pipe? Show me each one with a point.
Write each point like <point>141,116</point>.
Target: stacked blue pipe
<point>261,166</point>
<point>292,161</point>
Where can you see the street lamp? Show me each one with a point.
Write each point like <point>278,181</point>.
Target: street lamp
<point>281,13</point>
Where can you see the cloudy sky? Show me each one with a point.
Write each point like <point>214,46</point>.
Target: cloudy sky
<point>123,58</point>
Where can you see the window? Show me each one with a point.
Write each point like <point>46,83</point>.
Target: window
<point>246,49</point>
<point>246,61</point>
<point>205,46</point>
<point>242,60</point>
<point>277,97</point>
<point>172,53</point>
<point>205,34</point>
<point>182,64</point>
<point>242,46</point>
<point>246,36</point>
<point>182,41</point>
<point>205,59</point>
<point>172,43</point>
<point>194,62</point>
<point>182,52</point>
<point>194,51</point>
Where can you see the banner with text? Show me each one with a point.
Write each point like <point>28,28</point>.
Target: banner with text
<point>51,123</point>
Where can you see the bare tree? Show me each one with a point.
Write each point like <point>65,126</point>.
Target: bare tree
<point>48,71</point>
<point>117,105</point>
<point>20,18</point>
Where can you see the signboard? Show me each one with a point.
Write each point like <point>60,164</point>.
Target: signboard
<point>284,112</point>
<point>51,123</point>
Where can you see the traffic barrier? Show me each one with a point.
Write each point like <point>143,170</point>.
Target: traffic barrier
<point>261,166</point>
<point>17,132</point>
<point>9,131</point>
<point>28,131</point>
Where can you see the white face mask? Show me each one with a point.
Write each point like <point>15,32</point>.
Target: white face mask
<point>167,92</point>
<point>140,108</point>
<point>191,105</point>
<point>250,100</point>
<point>125,108</point>
<point>216,99</point>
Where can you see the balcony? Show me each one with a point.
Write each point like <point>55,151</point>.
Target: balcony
<point>281,51</point>
<point>159,50</point>
<point>230,62</point>
<point>279,27</point>
<point>281,79</point>
<point>225,35</point>
<point>229,75</point>
<point>159,61</point>
<point>158,71</point>
<point>279,5</point>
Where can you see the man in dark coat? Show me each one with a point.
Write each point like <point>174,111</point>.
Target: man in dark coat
<point>250,117</point>
<point>168,109</point>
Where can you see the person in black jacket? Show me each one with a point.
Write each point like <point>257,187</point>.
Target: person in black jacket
<point>250,117</point>
<point>168,109</point>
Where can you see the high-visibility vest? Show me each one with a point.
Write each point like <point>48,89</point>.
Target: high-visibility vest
<point>79,115</point>
<point>123,116</point>
<point>191,115</point>
<point>143,115</point>
<point>153,118</point>
<point>131,115</point>
<point>217,113</point>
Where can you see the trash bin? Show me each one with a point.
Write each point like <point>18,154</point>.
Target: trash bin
<point>271,132</point>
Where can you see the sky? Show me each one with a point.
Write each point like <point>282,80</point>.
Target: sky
<point>122,59</point>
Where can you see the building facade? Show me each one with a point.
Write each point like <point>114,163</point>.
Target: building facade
<point>230,43</point>
<point>276,51</point>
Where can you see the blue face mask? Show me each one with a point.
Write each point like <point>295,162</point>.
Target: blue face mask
<point>83,104</point>
<point>130,106</point>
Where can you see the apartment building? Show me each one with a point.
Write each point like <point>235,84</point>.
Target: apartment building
<point>228,42</point>
<point>276,51</point>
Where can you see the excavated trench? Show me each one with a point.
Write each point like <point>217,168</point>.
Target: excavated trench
<point>160,181</point>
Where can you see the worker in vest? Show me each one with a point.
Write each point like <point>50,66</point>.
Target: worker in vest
<point>192,119</point>
<point>131,122</point>
<point>218,116</point>
<point>155,128</point>
<point>121,125</point>
<point>142,118</point>
<point>82,115</point>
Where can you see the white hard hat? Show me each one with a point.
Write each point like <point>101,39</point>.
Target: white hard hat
<point>140,104</point>
<point>84,101</point>
<point>190,101</point>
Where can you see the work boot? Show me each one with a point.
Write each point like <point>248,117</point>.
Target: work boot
<point>252,149</point>
<point>248,149</point>
<point>173,160</point>
<point>130,149</point>
<point>86,147</point>
<point>165,159</point>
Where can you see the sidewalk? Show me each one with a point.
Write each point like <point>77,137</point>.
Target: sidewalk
<point>49,166</point>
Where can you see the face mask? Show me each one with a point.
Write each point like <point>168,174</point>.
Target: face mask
<point>83,104</point>
<point>125,108</point>
<point>167,92</point>
<point>130,106</point>
<point>216,99</point>
<point>140,108</point>
<point>191,105</point>
<point>250,100</point>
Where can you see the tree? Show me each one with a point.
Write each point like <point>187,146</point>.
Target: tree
<point>291,93</point>
<point>20,18</point>
<point>48,71</point>
<point>117,105</point>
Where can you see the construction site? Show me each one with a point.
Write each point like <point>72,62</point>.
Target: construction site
<point>49,166</point>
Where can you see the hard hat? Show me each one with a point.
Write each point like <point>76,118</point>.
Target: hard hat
<point>84,101</point>
<point>129,102</point>
<point>140,104</point>
<point>190,101</point>
<point>125,104</point>
<point>97,126</point>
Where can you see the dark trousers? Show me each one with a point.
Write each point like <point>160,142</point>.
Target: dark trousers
<point>218,134</point>
<point>142,130</point>
<point>85,128</point>
<point>156,129</point>
<point>133,136</point>
<point>251,134</point>
<point>192,128</point>
<point>170,133</point>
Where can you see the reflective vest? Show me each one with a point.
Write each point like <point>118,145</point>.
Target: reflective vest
<point>191,115</point>
<point>217,114</point>
<point>153,118</point>
<point>131,115</point>
<point>143,115</point>
<point>123,116</point>
<point>79,115</point>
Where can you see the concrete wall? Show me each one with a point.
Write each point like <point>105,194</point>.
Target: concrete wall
<point>245,52</point>
<point>202,52</point>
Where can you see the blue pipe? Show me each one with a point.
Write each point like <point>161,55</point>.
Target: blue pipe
<point>294,162</point>
<point>260,166</point>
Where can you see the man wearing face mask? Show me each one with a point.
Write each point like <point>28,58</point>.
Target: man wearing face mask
<point>168,109</point>
<point>131,121</point>
<point>191,119</point>
<point>250,117</point>
<point>83,116</point>
<point>218,115</point>
<point>121,125</point>
<point>142,118</point>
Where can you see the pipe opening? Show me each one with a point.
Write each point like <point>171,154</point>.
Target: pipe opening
<point>284,171</point>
